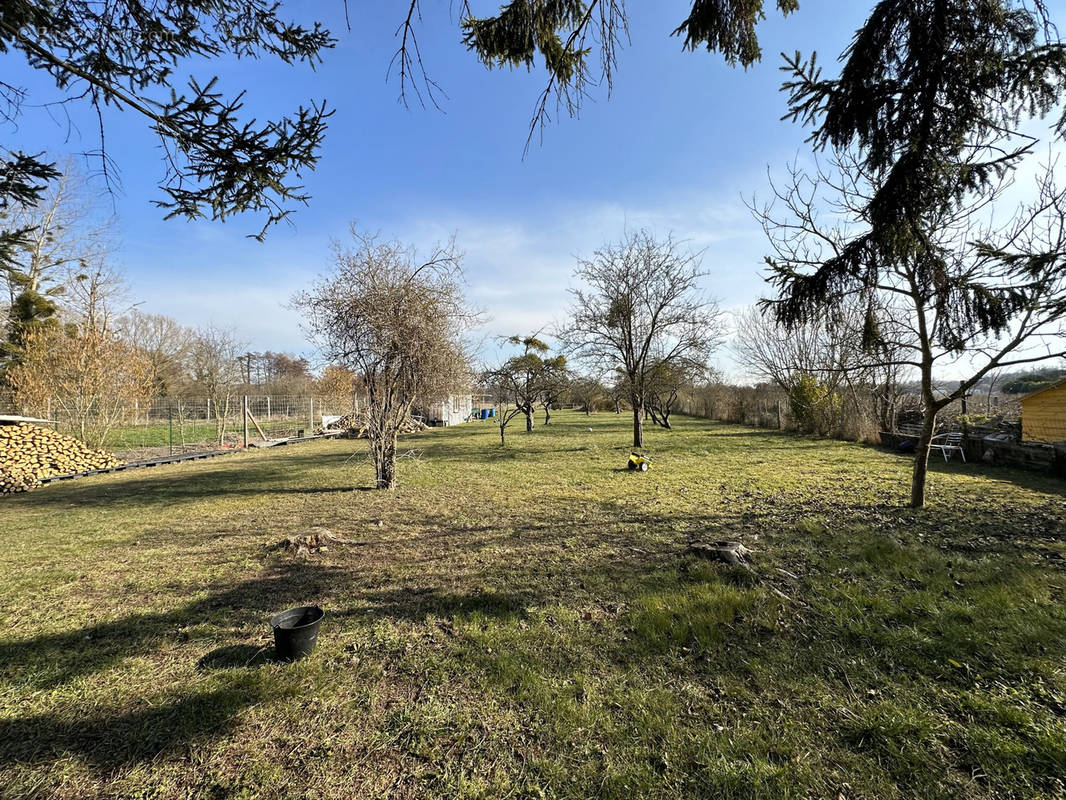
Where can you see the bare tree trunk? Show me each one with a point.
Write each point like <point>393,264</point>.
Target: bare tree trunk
<point>529,420</point>
<point>588,409</point>
<point>503,443</point>
<point>638,424</point>
<point>921,459</point>
<point>385,461</point>
<point>547,414</point>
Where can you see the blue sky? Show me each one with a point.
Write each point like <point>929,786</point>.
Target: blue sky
<point>674,148</point>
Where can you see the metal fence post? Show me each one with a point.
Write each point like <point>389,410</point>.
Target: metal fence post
<point>170,415</point>
<point>244,416</point>
<point>312,428</point>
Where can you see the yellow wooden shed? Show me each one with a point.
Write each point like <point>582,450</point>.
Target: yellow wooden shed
<point>1044,414</point>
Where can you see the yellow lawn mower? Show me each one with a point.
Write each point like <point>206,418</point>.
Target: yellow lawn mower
<point>638,462</point>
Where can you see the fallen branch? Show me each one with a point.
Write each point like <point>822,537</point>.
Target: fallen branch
<point>316,540</point>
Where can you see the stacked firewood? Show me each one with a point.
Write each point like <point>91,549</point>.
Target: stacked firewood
<point>354,425</point>
<point>29,453</point>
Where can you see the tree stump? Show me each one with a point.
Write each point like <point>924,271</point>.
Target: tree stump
<point>315,540</point>
<point>731,553</point>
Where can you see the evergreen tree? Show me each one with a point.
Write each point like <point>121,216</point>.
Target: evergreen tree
<point>925,117</point>
<point>568,33</point>
<point>127,55</point>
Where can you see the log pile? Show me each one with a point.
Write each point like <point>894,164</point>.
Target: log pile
<point>354,426</point>
<point>29,453</point>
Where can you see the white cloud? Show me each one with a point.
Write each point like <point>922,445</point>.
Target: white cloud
<point>518,269</point>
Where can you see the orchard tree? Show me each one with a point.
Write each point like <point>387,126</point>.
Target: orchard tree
<point>585,391</point>
<point>667,383</point>
<point>639,309</point>
<point>555,384</point>
<point>528,379</point>
<point>618,389</point>
<point>502,385</point>
<point>924,123</point>
<point>397,322</point>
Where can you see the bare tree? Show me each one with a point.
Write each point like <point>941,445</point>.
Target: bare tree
<point>164,341</point>
<point>61,232</point>
<point>586,390</point>
<point>828,350</point>
<point>554,384</point>
<point>59,237</point>
<point>641,307</point>
<point>216,374</point>
<point>96,294</point>
<point>992,380</point>
<point>503,385</point>
<point>666,385</point>
<point>528,379</point>
<point>996,303</point>
<point>618,390</point>
<point>397,321</point>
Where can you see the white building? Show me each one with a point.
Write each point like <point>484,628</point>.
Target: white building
<point>457,408</point>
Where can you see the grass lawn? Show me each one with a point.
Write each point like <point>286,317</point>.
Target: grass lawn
<point>158,434</point>
<point>198,434</point>
<point>521,623</point>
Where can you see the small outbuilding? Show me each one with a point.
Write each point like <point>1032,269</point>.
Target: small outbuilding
<point>1044,414</point>
<point>452,411</point>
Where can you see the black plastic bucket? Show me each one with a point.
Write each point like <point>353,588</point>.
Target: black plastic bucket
<point>296,631</point>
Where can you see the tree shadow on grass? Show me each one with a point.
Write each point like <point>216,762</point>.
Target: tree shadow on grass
<point>238,656</point>
<point>108,739</point>
<point>176,483</point>
<point>891,617</point>
<point>52,659</point>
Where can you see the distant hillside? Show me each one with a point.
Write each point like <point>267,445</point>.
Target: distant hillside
<point>1023,383</point>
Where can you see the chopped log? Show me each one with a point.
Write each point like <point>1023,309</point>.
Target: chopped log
<point>354,426</point>
<point>731,553</point>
